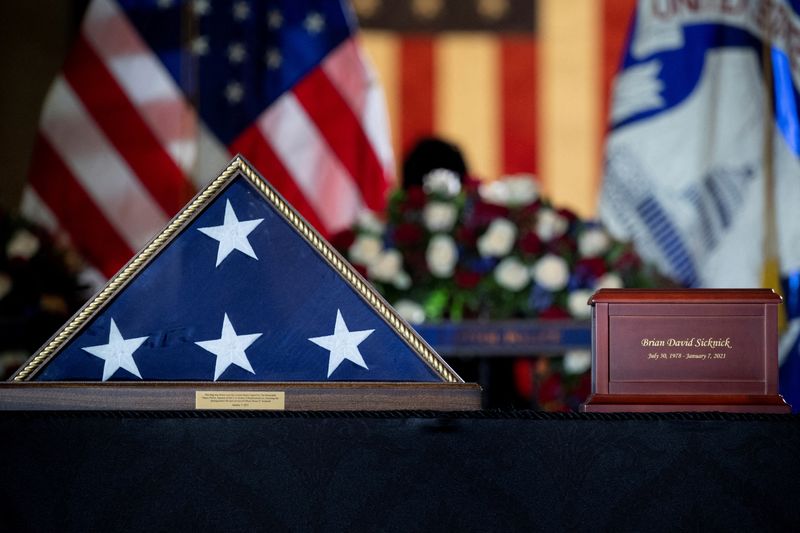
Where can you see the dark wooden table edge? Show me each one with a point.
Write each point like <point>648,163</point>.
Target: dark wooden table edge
<point>659,403</point>
<point>300,396</point>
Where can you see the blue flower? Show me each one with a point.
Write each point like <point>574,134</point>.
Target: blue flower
<point>482,265</point>
<point>540,298</point>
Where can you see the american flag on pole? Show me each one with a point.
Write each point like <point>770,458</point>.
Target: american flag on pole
<point>237,287</point>
<point>157,94</point>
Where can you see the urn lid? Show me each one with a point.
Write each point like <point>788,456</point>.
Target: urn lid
<point>696,296</point>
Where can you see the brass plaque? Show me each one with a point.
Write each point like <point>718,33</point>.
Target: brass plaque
<point>241,400</point>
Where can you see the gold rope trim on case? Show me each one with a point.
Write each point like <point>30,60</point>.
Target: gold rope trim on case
<point>124,275</point>
<point>365,290</point>
<point>181,219</point>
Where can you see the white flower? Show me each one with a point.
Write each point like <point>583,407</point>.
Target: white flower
<point>443,182</point>
<point>523,189</point>
<point>5,285</point>
<point>577,361</point>
<point>494,192</point>
<point>441,255</point>
<point>439,216</point>
<point>368,221</point>
<point>609,281</point>
<point>578,303</point>
<point>512,274</point>
<point>551,273</point>
<point>365,249</point>
<point>498,239</point>
<point>593,242</point>
<point>412,312</point>
<point>386,267</point>
<point>402,280</point>
<point>550,225</point>
<point>23,245</point>
<point>516,190</point>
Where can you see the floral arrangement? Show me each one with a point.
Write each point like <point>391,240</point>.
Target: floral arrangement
<point>40,288</point>
<point>492,250</point>
<point>495,250</point>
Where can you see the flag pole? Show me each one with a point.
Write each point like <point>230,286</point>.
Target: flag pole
<point>770,277</point>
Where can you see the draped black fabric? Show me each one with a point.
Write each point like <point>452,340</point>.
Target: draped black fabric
<point>398,471</point>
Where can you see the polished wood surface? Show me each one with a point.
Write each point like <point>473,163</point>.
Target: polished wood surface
<point>653,296</point>
<point>728,403</point>
<point>685,350</point>
<point>306,396</point>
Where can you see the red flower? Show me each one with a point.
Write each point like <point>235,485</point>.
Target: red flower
<point>530,243</point>
<point>529,211</point>
<point>569,215</point>
<point>414,259</point>
<point>415,198</point>
<point>628,261</point>
<point>483,213</point>
<point>553,313</point>
<point>564,246</point>
<point>470,185</point>
<point>550,389</point>
<point>584,386</point>
<point>466,279</point>
<point>523,377</point>
<point>407,234</point>
<point>593,266</point>
<point>467,236</point>
<point>343,239</point>
<point>361,269</point>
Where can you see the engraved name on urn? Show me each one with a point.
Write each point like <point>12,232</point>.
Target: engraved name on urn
<point>710,342</point>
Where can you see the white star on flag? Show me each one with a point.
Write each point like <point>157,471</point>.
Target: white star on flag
<point>118,353</point>
<point>234,92</point>
<point>241,11</point>
<point>237,53</point>
<point>199,45</point>
<point>232,234</point>
<point>274,19</point>
<point>201,7</point>
<point>343,344</point>
<point>273,58</point>
<point>229,348</point>
<point>314,22</point>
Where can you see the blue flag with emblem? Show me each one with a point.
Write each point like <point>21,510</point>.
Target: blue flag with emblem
<point>703,156</point>
<point>237,287</point>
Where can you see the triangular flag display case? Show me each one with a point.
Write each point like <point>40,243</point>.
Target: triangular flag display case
<point>237,304</point>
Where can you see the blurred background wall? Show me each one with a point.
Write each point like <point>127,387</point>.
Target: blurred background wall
<point>522,86</point>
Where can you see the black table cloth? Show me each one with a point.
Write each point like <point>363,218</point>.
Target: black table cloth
<point>398,471</point>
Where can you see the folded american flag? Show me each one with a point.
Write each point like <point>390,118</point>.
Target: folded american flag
<point>237,288</point>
